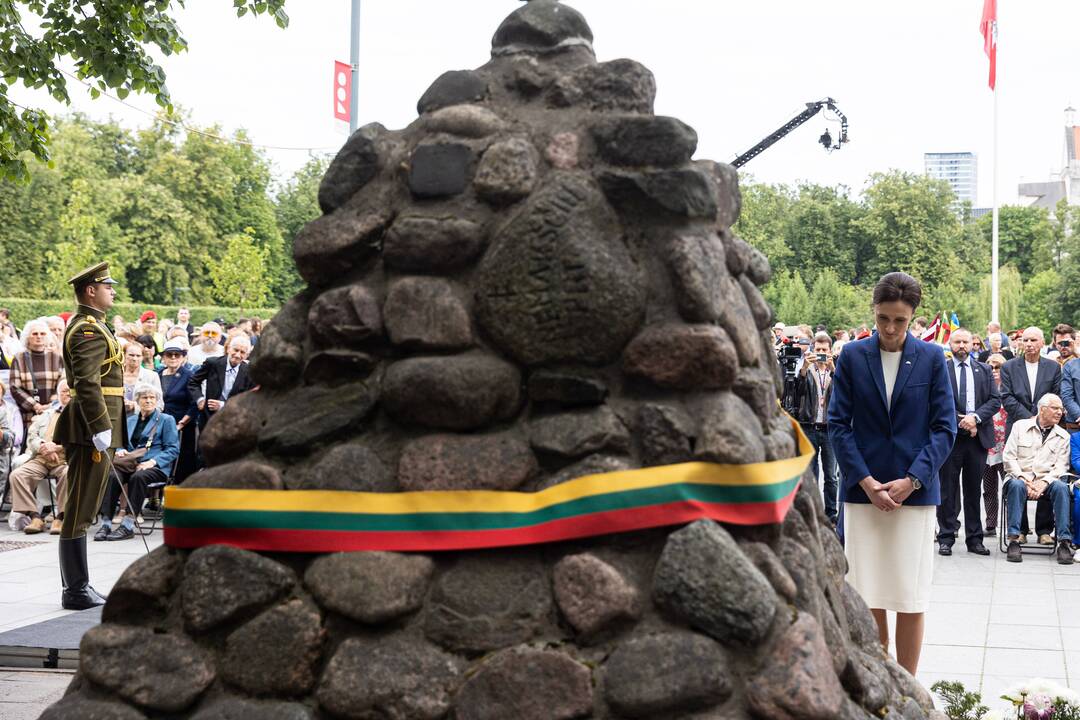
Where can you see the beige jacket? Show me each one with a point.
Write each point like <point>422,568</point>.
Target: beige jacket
<point>1029,458</point>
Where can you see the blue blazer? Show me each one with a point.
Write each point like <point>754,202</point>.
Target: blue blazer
<point>178,402</point>
<point>1074,452</point>
<point>166,445</point>
<point>914,438</point>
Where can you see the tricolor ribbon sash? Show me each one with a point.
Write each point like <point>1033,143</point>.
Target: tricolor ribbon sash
<point>602,504</point>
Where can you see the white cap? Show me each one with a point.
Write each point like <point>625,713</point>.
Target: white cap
<point>175,345</point>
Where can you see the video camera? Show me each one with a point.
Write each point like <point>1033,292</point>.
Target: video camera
<point>788,355</point>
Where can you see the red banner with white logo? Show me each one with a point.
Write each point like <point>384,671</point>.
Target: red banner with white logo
<point>342,90</point>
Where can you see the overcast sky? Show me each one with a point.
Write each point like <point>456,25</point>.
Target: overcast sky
<point>911,76</point>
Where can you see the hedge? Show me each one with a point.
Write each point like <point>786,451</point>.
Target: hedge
<point>25,309</point>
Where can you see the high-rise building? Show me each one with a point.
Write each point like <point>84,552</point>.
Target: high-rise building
<point>1063,184</point>
<point>959,169</point>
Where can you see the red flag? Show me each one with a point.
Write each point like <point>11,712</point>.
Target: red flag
<point>988,28</point>
<point>342,90</point>
<point>930,333</point>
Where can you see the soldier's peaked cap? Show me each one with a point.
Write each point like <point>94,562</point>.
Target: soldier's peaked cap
<point>94,274</point>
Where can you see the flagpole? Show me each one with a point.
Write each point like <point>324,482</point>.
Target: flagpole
<point>994,303</point>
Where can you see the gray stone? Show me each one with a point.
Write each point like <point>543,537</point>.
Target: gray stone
<point>729,431</point>
<point>160,672</point>
<point>686,192</point>
<point>462,392</point>
<point>222,583</point>
<point>682,357</point>
<point>233,430</point>
<point>592,595</point>
<point>349,466</point>
<point>796,680</point>
<point>908,686</point>
<point>355,164</point>
<point>905,709</point>
<point>489,601</point>
<point>759,308</point>
<point>861,623</point>
<point>779,439</point>
<point>575,433</point>
<point>666,433</point>
<point>371,587</point>
<point>232,708</point>
<point>770,566</point>
<point>728,198</point>
<point>666,674</point>
<point>79,707</point>
<point>275,654</point>
<point>141,595</point>
<point>592,465</point>
<point>432,243</point>
<point>470,121</point>
<point>738,254</point>
<point>614,85</point>
<point>644,140</point>
<point>740,324</point>
<point>754,386</point>
<point>497,461</point>
<point>239,475</point>
<point>507,171</point>
<point>864,680</point>
<point>394,677</point>
<point>558,284</point>
<point>697,263</point>
<point>758,270</point>
<point>338,367</point>
<point>542,25</point>
<point>703,578</point>
<point>453,87</point>
<point>348,316</point>
<point>275,362</point>
<point>526,684</point>
<point>424,313</point>
<point>344,240</point>
<point>440,169</point>
<point>567,386</point>
<point>316,413</point>
<point>562,151</point>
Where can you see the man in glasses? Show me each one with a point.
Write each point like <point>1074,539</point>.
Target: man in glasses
<point>90,426</point>
<point>208,345</point>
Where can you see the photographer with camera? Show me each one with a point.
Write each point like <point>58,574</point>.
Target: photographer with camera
<point>813,386</point>
<point>793,345</point>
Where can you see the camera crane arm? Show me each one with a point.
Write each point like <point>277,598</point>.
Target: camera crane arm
<point>812,109</point>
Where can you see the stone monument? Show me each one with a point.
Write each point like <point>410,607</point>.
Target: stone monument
<point>532,282</point>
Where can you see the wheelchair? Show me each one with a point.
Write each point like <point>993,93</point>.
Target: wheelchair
<point>1071,479</point>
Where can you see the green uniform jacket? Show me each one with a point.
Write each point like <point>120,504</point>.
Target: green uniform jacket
<point>93,365</point>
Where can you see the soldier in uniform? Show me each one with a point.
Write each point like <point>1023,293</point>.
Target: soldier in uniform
<point>90,427</point>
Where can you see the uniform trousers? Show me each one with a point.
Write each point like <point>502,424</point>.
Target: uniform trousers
<point>968,457</point>
<point>86,481</point>
<point>24,482</point>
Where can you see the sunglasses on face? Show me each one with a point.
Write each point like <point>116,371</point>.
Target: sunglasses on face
<point>211,333</point>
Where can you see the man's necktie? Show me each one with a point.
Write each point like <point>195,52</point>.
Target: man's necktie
<point>963,388</point>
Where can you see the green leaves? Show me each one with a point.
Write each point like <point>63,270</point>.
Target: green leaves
<point>110,47</point>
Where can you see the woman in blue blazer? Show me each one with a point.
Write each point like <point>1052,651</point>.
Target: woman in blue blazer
<point>892,422</point>
<point>154,430</point>
<point>178,403</point>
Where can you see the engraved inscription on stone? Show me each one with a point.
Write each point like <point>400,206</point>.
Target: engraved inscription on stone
<point>558,284</point>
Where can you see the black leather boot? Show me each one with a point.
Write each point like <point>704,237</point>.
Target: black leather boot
<point>75,576</point>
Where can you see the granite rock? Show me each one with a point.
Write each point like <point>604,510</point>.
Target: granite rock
<point>351,466</point>
<point>238,475</point>
<point>494,461</point>
<point>346,316</point>
<point>354,166</point>
<point>685,192</point>
<point>238,709</point>
<point>294,631</point>
<point>432,243</point>
<point>567,386</point>
<point>440,169</point>
<point>592,595</point>
<point>526,684</point>
<point>728,430</point>
<point>316,413</point>
<point>461,392</point>
<point>621,84</point>
<point>539,26</point>
<point>697,263</point>
<point>796,680</point>
<point>575,433</point>
<point>682,357</point>
<point>637,140</point>
<point>78,707</point>
<point>370,587</point>
<point>666,433</point>
<point>338,367</point>
<point>343,240</point>
<point>223,583</point>
<point>469,121</point>
<point>142,592</point>
<point>424,313</point>
<point>453,87</point>
<point>507,171</point>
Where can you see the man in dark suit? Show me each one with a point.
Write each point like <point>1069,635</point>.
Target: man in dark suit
<point>1023,381</point>
<point>977,401</point>
<point>225,377</point>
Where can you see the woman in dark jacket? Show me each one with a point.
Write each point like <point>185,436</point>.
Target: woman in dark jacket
<point>174,379</point>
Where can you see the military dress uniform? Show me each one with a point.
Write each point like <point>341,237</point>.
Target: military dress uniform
<point>93,365</point>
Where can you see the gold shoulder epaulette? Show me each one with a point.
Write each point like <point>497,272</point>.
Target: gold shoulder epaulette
<point>91,318</point>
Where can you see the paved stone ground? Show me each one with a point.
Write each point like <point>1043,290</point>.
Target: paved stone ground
<point>991,623</point>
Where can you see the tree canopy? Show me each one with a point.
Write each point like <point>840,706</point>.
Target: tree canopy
<point>109,42</point>
<point>827,249</point>
<point>168,208</point>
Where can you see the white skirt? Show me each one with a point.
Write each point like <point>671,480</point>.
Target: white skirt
<point>891,555</point>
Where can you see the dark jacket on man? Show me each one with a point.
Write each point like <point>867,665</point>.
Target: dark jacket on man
<point>987,399</point>
<point>213,372</point>
<point>1016,394</point>
<point>807,394</point>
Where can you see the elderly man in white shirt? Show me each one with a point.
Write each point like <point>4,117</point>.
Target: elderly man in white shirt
<point>1036,463</point>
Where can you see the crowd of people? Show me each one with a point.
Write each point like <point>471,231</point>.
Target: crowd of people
<point>1018,429</point>
<point>176,376</point>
